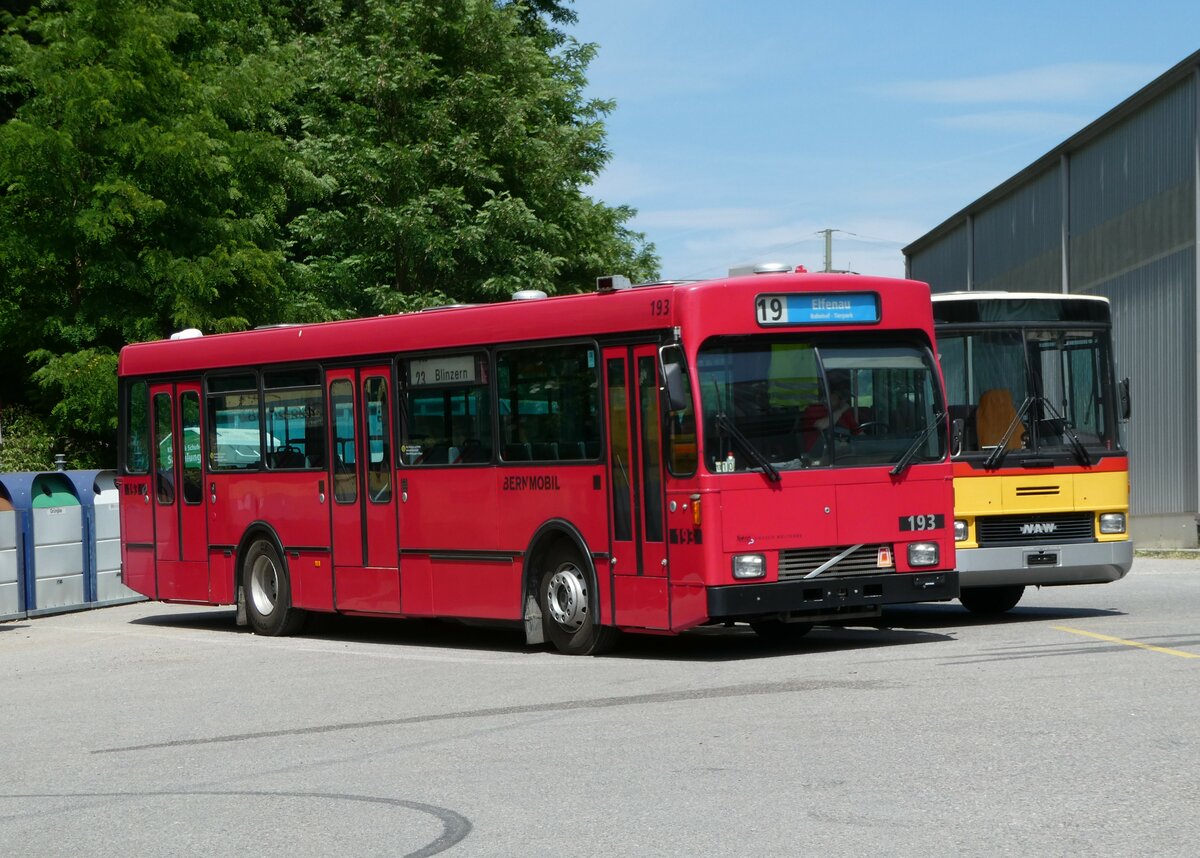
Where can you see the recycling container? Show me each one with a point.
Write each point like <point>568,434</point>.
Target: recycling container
<point>12,566</point>
<point>54,574</point>
<point>99,498</point>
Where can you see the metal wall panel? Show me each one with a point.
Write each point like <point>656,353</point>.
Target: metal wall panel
<point>1132,191</point>
<point>943,265</point>
<point>1131,226</point>
<point>1018,240</point>
<point>1154,312</point>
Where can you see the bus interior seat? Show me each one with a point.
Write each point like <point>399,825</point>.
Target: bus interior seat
<point>473,452</point>
<point>993,417</point>
<point>286,457</point>
<point>544,450</point>
<point>520,452</point>
<point>575,451</point>
<point>438,454</point>
<point>313,446</point>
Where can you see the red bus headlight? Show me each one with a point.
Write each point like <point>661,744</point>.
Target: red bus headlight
<point>923,554</point>
<point>749,566</point>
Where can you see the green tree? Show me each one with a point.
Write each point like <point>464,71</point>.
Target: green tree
<point>142,177</point>
<point>224,163</point>
<point>456,144</point>
<point>27,444</point>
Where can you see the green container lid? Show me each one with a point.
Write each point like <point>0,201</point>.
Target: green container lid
<point>51,490</point>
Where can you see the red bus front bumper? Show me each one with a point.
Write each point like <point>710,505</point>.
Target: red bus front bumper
<point>824,598</point>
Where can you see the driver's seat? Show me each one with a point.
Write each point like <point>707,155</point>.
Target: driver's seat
<point>993,417</point>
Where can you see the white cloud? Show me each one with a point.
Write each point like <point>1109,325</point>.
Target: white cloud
<point>1055,83</point>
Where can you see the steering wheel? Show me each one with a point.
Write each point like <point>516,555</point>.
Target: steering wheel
<point>874,428</point>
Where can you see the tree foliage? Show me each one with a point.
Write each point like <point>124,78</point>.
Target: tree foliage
<point>141,176</point>
<point>456,147</point>
<point>225,163</point>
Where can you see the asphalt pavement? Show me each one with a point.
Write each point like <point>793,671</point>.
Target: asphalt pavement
<point>1067,727</point>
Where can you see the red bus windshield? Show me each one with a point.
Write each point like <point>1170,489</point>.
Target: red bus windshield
<point>806,402</point>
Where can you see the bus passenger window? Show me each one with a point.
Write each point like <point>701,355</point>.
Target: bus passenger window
<point>295,419</point>
<point>549,403</point>
<point>379,433</point>
<point>234,423</point>
<point>446,411</point>
<point>137,431</point>
<point>622,497</point>
<point>345,470</point>
<point>164,444</point>
<point>189,430</point>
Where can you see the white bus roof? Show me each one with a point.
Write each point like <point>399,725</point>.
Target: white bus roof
<point>1016,296</point>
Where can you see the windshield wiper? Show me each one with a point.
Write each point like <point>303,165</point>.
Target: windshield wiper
<point>911,452</point>
<point>1001,448</point>
<point>726,425</point>
<point>1077,447</point>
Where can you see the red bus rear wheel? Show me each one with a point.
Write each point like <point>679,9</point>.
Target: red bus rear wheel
<point>569,604</point>
<point>269,592</point>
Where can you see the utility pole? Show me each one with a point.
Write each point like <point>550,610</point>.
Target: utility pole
<point>828,233</point>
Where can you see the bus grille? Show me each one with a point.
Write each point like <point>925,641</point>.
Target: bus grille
<point>798,562</point>
<point>998,530</point>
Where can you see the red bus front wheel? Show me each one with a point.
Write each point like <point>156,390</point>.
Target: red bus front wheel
<point>570,606</point>
<point>268,592</point>
<point>779,633</point>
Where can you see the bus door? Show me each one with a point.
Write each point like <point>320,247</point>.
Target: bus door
<point>361,476</point>
<point>177,493</point>
<point>636,487</point>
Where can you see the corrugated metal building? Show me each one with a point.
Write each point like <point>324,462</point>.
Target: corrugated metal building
<point>1113,211</point>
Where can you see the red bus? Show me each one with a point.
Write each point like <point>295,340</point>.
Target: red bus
<point>767,449</point>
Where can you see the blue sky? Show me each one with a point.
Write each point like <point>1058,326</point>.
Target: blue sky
<point>743,128</point>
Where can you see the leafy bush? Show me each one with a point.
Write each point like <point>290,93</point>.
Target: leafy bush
<point>25,442</point>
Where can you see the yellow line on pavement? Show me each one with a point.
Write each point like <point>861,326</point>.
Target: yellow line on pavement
<point>1100,637</point>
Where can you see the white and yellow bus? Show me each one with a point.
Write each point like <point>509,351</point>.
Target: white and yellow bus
<point>1041,481</point>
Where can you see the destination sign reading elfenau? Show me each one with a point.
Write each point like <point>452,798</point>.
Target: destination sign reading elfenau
<point>831,308</point>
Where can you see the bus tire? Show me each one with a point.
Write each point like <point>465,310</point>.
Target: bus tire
<point>570,605</point>
<point>991,601</point>
<point>269,592</point>
<point>779,633</point>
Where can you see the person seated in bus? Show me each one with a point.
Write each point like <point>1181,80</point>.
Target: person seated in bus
<point>816,418</point>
